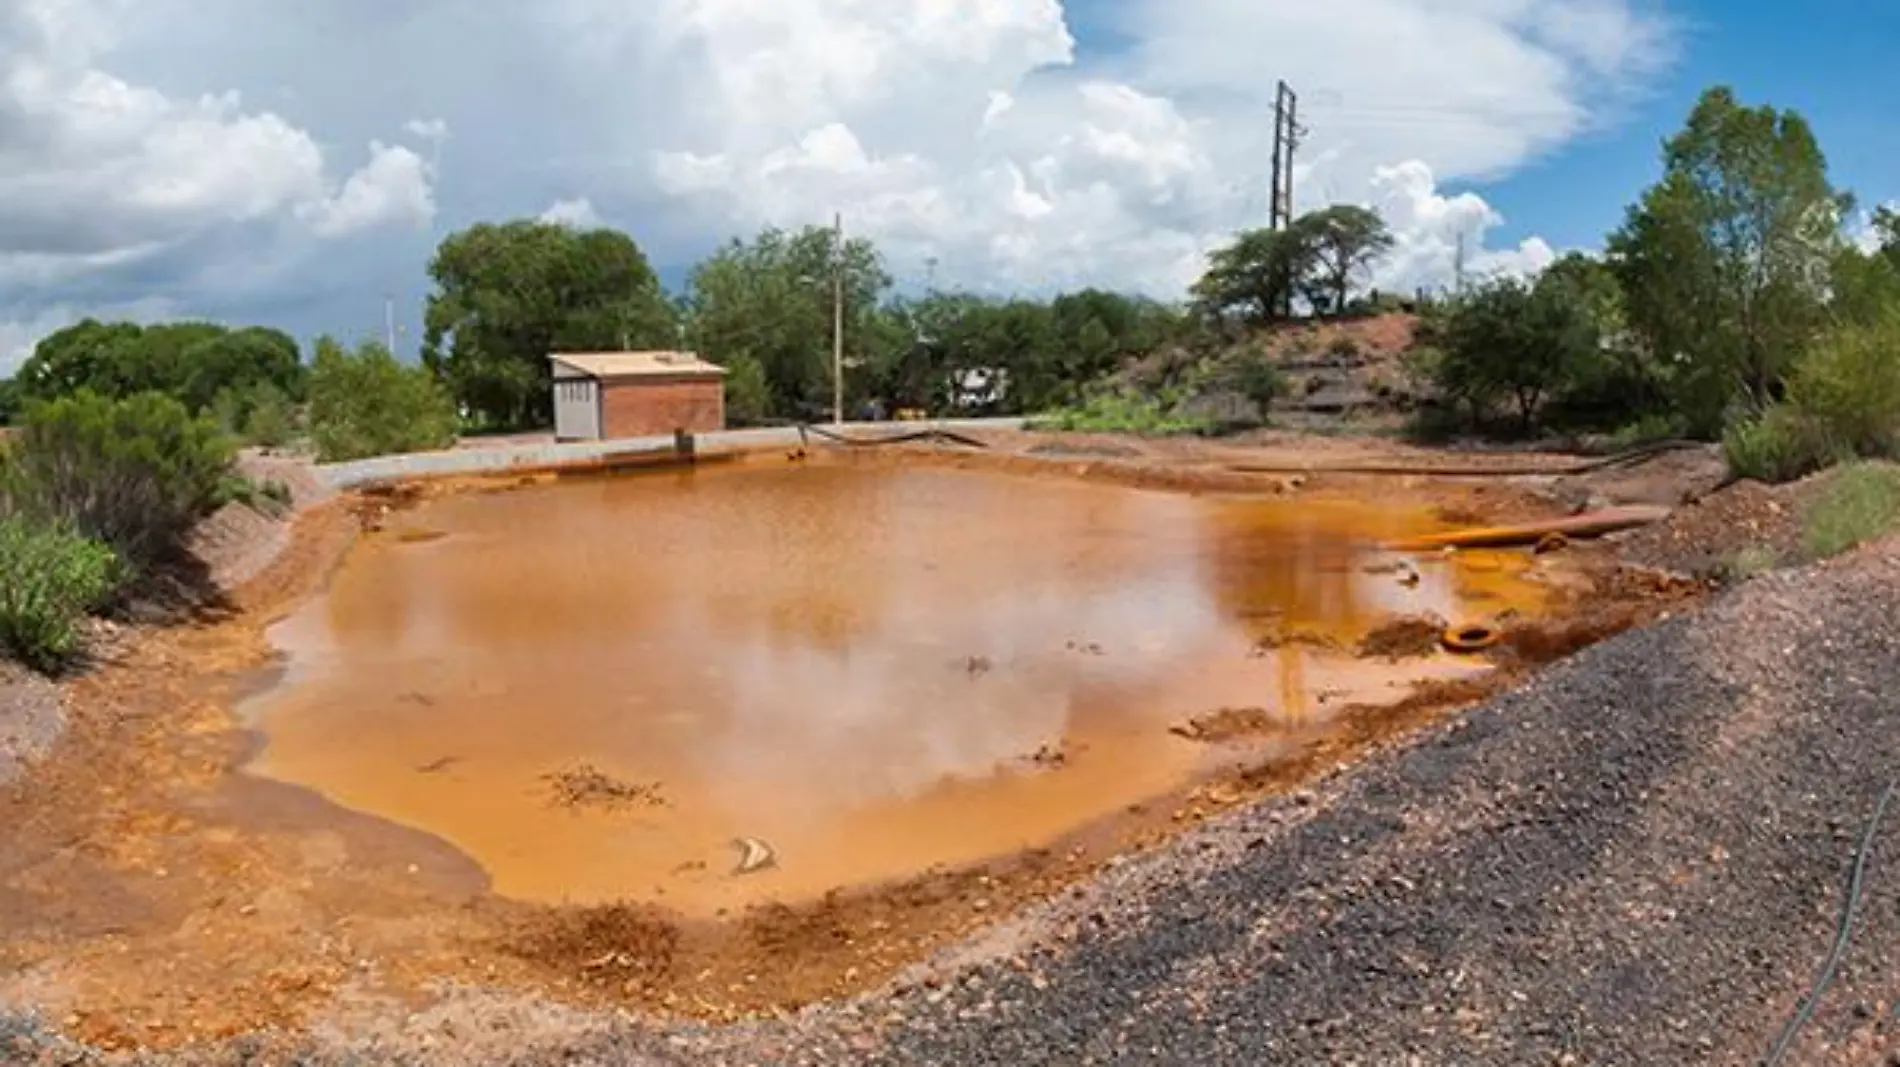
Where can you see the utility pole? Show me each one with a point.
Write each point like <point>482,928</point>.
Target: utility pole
<point>837,319</point>
<point>1286,137</point>
<point>389,321</point>
<point>1458,266</point>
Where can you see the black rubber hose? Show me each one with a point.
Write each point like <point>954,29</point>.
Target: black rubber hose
<point>1843,934</point>
<point>894,439</point>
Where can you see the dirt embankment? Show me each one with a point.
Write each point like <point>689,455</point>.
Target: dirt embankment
<point>151,898</point>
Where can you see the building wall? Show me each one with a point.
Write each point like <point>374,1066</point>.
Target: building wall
<point>641,407</point>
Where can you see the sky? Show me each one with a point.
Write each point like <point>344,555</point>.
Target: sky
<point>293,163</point>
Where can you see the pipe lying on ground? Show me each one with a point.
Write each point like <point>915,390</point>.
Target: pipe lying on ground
<point>1626,458</point>
<point>1589,524</point>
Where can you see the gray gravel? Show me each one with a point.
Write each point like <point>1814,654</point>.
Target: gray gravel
<point>31,719</point>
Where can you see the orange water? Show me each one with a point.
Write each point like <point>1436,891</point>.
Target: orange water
<point>855,664</point>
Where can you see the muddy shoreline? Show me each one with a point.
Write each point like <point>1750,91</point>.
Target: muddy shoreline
<point>137,840</point>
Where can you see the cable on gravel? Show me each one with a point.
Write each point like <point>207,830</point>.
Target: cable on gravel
<point>1843,935</point>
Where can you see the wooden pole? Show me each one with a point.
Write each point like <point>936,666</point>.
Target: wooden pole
<point>837,319</point>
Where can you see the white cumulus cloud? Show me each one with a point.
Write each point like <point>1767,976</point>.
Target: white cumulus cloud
<point>165,148</point>
<point>573,211</point>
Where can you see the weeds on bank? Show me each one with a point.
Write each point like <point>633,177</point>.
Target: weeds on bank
<point>50,580</point>
<point>1859,503</point>
<point>1123,413</point>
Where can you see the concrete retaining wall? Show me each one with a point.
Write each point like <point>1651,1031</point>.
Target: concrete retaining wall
<point>504,458</point>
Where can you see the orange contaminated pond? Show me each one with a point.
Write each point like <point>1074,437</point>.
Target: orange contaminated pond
<point>594,687</point>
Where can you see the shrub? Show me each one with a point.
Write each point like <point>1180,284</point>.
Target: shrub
<point>1260,381</point>
<point>267,497</point>
<point>367,404</point>
<point>1848,383</point>
<point>1114,412</point>
<point>136,474</point>
<point>1778,445</point>
<point>272,421</point>
<point>50,579</point>
<point>260,414</point>
<point>1859,503</point>
<point>1343,346</point>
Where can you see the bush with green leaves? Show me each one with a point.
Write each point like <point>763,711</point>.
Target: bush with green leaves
<point>365,403</point>
<point>1843,401</point>
<point>1122,412</point>
<point>50,579</point>
<point>1848,384</point>
<point>1779,444</point>
<point>260,414</point>
<point>135,473</point>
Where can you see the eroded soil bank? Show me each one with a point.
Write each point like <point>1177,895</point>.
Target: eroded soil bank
<point>154,896</point>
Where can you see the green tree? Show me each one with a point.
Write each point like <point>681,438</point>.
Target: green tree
<point>365,403</point>
<point>1724,263</point>
<point>1513,342</point>
<point>1865,284</point>
<point>9,401</point>
<point>509,294</point>
<point>193,362</point>
<point>1337,244</point>
<point>1886,227</point>
<point>1253,278</point>
<point>748,398</point>
<point>242,361</point>
<point>770,300</point>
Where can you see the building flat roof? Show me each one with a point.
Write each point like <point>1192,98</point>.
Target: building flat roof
<point>651,364</point>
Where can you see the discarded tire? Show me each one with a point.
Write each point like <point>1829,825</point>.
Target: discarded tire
<point>1468,639</point>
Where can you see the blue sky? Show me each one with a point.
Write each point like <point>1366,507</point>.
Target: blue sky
<point>1834,62</point>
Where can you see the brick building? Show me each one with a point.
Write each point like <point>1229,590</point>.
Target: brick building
<point>605,395</point>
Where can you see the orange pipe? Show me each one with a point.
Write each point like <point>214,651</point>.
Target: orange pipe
<point>1589,524</point>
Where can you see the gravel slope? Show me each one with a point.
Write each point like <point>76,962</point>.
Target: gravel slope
<point>1638,858</point>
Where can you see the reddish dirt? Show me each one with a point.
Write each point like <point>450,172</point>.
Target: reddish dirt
<point>151,897</point>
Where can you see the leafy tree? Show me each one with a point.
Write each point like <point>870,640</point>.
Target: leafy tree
<point>1338,244</point>
<point>365,403</point>
<point>9,401</point>
<point>191,361</point>
<point>509,294</point>
<point>1511,341</point>
<point>1886,226</point>
<point>748,397</point>
<point>87,355</point>
<point>1865,284</point>
<point>241,361</point>
<point>770,300</point>
<point>1254,277</point>
<point>1725,261</point>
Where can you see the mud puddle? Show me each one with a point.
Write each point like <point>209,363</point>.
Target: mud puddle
<point>600,689</point>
